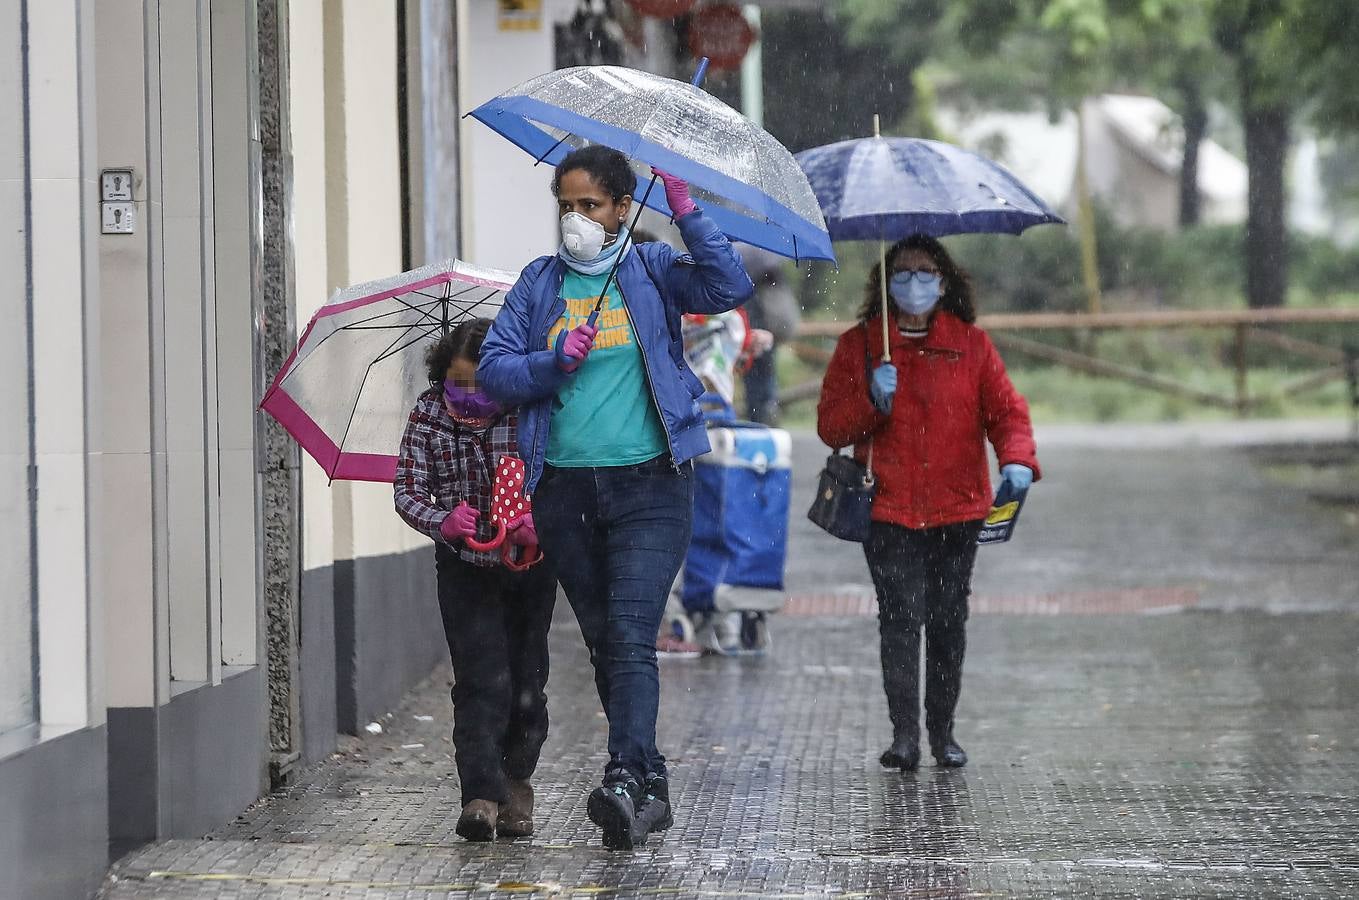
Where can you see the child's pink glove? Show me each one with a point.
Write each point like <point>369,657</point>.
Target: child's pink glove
<point>523,532</point>
<point>676,193</point>
<point>460,523</point>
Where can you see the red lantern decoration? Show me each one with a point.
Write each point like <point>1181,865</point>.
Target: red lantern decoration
<point>721,33</point>
<point>662,9</point>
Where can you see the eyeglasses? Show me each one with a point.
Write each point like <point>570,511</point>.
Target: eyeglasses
<point>922,274</point>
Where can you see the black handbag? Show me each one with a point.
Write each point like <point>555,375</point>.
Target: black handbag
<point>844,497</point>
<point>844,492</point>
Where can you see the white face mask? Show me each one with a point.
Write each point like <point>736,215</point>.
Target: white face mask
<point>582,236</point>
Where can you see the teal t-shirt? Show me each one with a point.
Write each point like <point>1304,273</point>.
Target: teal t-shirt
<point>604,415</point>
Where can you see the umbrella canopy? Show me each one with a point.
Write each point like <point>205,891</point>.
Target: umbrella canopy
<point>746,181</point>
<point>887,188</point>
<point>346,391</point>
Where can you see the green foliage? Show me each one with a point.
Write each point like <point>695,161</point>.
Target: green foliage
<point>1140,268</point>
<point>829,84</point>
<point>1326,35</point>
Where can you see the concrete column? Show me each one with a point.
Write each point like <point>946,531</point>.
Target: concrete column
<point>18,604</point>
<point>307,103</point>
<point>186,739</point>
<point>279,453</point>
<point>62,204</point>
<point>136,631</point>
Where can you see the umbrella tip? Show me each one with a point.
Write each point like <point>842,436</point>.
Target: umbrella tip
<point>700,73</point>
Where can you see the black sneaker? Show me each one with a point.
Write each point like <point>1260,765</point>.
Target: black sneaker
<point>654,811</point>
<point>613,807</point>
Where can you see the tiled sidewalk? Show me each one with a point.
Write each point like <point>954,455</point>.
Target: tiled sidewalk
<point>1165,756</point>
<point>1155,715</point>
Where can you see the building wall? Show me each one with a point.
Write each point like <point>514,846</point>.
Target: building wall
<point>52,737</point>
<point>365,573</point>
<point>187,710</point>
<point>134,701</point>
<point>509,217</point>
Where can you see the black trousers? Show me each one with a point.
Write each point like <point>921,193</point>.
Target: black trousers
<point>923,578</point>
<point>496,623</point>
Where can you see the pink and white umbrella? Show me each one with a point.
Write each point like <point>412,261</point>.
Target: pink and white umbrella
<point>347,389</point>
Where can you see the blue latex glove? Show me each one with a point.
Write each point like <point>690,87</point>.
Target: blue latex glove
<point>884,387</point>
<point>1019,476</point>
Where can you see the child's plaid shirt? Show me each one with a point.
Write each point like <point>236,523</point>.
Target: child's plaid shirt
<point>442,463</point>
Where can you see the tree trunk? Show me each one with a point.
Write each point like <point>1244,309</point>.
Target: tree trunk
<point>1267,134</point>
<point>1195,127</point>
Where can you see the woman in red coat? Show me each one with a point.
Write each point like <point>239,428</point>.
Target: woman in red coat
<point>925,417</point>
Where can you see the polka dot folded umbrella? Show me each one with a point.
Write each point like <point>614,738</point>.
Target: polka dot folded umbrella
<point>347,389</point>
<point>508,507</point>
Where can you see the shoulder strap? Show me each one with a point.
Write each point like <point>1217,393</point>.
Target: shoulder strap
<point>868,385</point>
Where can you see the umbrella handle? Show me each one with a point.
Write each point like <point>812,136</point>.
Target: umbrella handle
<point>533,555</point>
<point>490,545</point>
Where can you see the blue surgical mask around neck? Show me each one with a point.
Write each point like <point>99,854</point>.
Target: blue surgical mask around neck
<point>603,260</point>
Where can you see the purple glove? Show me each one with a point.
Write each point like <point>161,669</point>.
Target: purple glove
<point>460,523</point>
<point>523,532</point>
<point>676,193</point>
<point>573,346</point>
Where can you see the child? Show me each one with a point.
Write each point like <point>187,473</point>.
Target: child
<point>495,616</point>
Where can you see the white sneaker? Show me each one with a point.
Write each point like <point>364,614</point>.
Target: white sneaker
<point>719,632</point>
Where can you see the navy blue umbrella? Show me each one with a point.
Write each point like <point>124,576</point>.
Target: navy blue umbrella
<point>887,188</point>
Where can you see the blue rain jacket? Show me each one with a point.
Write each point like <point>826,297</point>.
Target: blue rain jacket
<point>658,285</point>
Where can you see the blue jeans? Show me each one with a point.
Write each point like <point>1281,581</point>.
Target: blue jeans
<point>616,537</point>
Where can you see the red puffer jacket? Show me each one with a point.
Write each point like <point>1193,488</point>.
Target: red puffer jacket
<point>928,456</point>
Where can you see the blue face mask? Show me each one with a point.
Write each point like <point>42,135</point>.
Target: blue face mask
<point>914,293</point>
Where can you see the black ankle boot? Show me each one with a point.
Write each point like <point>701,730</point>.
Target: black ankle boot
<point>654,811</point>
<point>947,753</point>
<point>613,807</point>
<point>904,754</point>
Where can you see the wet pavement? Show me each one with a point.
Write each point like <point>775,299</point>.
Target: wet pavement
<point>1202,743</point>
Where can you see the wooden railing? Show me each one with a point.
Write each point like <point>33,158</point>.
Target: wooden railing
<point>1258,326</point>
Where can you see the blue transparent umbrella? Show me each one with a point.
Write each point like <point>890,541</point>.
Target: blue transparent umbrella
<point>744,179</point>
<point>885,189</point>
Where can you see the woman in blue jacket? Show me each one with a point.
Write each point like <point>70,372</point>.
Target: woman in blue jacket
<point>608,424</point>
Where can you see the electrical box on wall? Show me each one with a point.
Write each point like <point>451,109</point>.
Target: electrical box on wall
<point>118,218</point>
<point>115,184</point>
<point>117,211</point>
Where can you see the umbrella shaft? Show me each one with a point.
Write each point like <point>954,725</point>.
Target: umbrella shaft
<point>613,270</point>
<point>882,278</point>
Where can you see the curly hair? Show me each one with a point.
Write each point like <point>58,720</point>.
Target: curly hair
<point>604,164</point>
<point>957,297</point>
<point>463,342</point>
